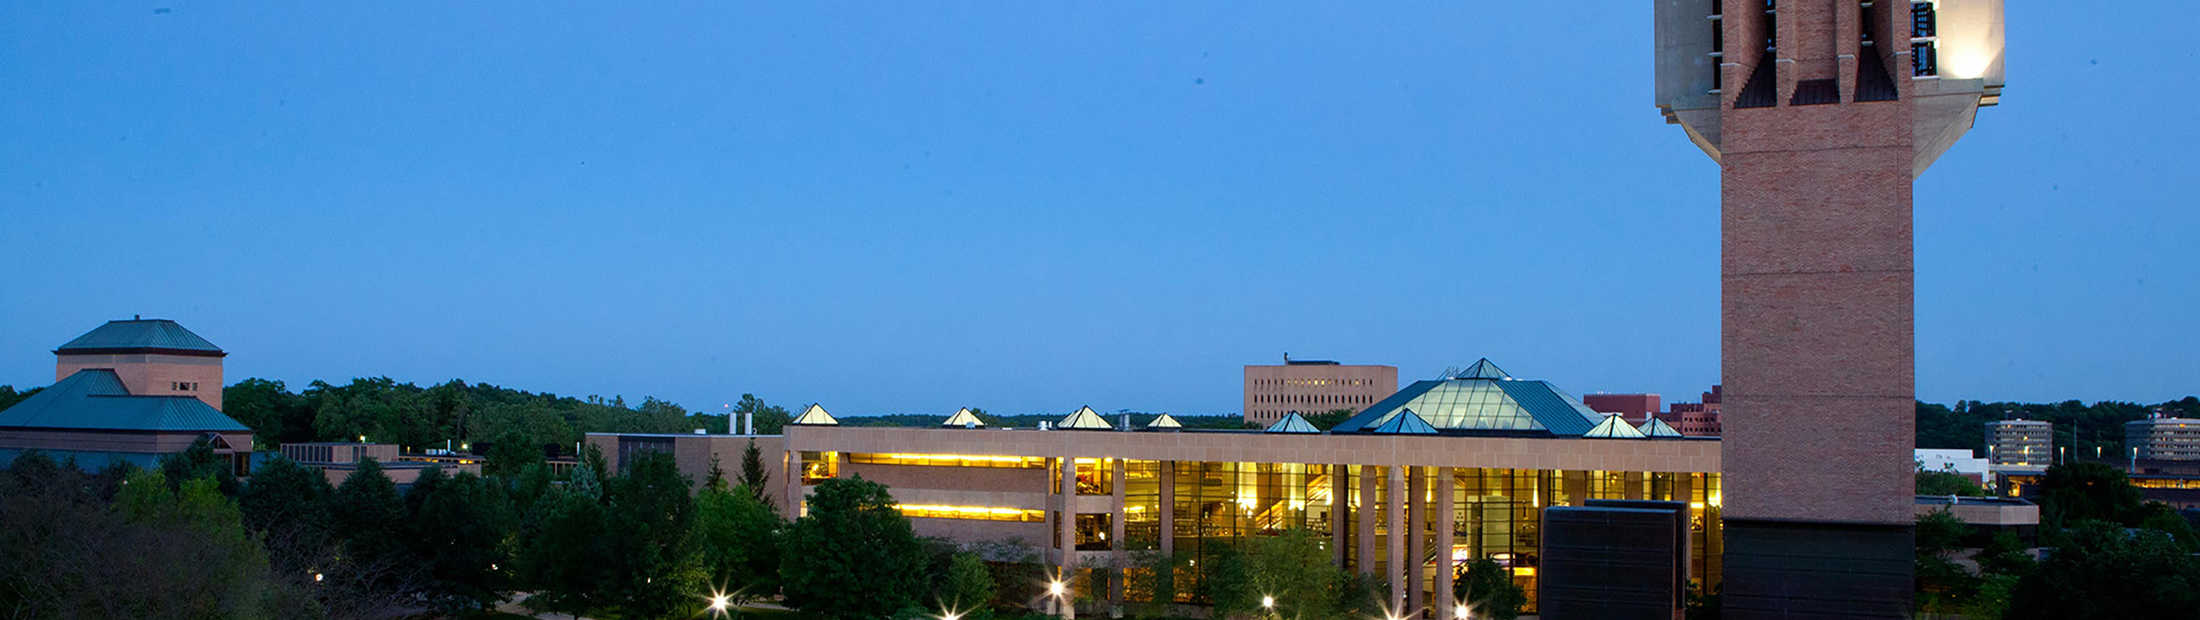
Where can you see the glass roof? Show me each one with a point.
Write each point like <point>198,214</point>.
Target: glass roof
<point>1165,421</point>
<point>963,417</point>
<point>815,415</point>
<point>1613,427</point>
<point>1292,424</point>
<point>1085,418</point>
<point>1482,398</point>
<point>1654,427</point>
<point>1405,423</point>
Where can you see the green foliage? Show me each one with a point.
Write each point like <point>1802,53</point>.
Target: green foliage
<point>284,495</point>
<point>1151,585</point>
<point>366,512</point>
<point>654,568</point>
<point>563,553</point>
<point>1488,590</point>
<point>755,479</point>
<point>199,461</point>
<point>2160,517</point>
<point>1293,568</point>
<point>2005,555</point>
<point>1940,531</point>
<point>1946,483</point>
<point>458,527</point>
<point>513,452</point>
<point>276,415</point>
<point>2109,573</point>
<point>853,555</point>
<point>194,525</point>
<point>739,538</point>
<point>1330,419</point>
<point>2082,491</point>
<point>968,585</point>
<point>9,397</point>
<point>770,419</point>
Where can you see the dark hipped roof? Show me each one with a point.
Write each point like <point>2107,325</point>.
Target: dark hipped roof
<point>1482,398</point>
<point>95,399</point>
<point>138,335</point>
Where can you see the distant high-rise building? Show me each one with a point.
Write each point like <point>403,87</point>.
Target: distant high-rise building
<point>1313,386</point>
<point>2163,438</point>
<point>1634,408</point>
<point>1697,419</point>
<point>2020,445</point>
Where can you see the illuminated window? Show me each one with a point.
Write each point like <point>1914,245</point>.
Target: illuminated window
<point>949,460</point>
<point>976,513</point>
<point>1092,531</point>
<point>819,466</point>
<point>1095,476</point>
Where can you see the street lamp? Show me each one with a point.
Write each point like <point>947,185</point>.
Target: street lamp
<point>718,604</point>
<point>1268,604</point>
<point>1060,592</point>
<point>1460,612</point>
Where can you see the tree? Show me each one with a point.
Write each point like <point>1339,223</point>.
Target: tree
<point>368,515</point>
<point>1331,418</point>
<point>458,528</point>
<point>654,569</point>
<point>968,585</point>
<point>1946,483</point>
<point>2110,573</point>
<point>716,478</point>
<point>286,496</point>
<point>276,415</point>
<point>9,397</point>
<point>2082,491</point>
<point>512,453</point>
<point>1293,568</point>
<point>738,536</point>
<point>199,461</point>
<point>770,419</point>
<point>1488,589</point>
<point>565,556</point>
<point>853,555</point>
<point>754,477</point>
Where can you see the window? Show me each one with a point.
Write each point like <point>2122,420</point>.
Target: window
<point>1095,477</point>
<point>184,386</point>
<point>1923,60</point>
<point>1092,531</point>
<point>1921,19</point>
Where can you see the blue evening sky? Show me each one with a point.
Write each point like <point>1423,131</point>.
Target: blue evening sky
<point>1023,206</point>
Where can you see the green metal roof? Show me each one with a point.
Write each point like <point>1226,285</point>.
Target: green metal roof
<point>95,399</point>
<point>139,334</point>
<point>1482,398</point>
<point>1613,427</point>
<point>1292,423</point>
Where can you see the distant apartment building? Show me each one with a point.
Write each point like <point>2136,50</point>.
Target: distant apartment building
<point>2020,445</point>
<point>1313,386</point>
<point>1634,408</point>
<point>2162,438</point>
<point>1955,461</point>
<point>1697,419</point>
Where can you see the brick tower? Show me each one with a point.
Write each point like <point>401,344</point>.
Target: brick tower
<point>1820,113</point>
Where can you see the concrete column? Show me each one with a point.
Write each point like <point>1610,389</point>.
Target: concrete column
<point>1168,508</point>
<point>794,484</point>
<point>1394,511</point>
<point>1446,487</point>
<point>1577,487</point>
<point>1365,518</point>
<point>1339,512</point>
<point>1635,481</point>
<point>1119,550</point>
<point>1067,529</point>
<point>1416,541</point>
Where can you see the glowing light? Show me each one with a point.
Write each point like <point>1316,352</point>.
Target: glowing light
<point>1268,602</point>
<point>719,602</point>
<point>1461,612</point>
<point>1055,588</point>
<point>316,577</point>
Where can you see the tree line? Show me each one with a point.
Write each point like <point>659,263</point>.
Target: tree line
<point>2108,553</point>
<point>2086,430</point>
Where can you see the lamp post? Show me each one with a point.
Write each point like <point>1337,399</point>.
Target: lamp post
<point>1060,593</point>
<point>1268,605</point>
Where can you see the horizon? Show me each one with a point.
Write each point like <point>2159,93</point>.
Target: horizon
<point>1052,207</point>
